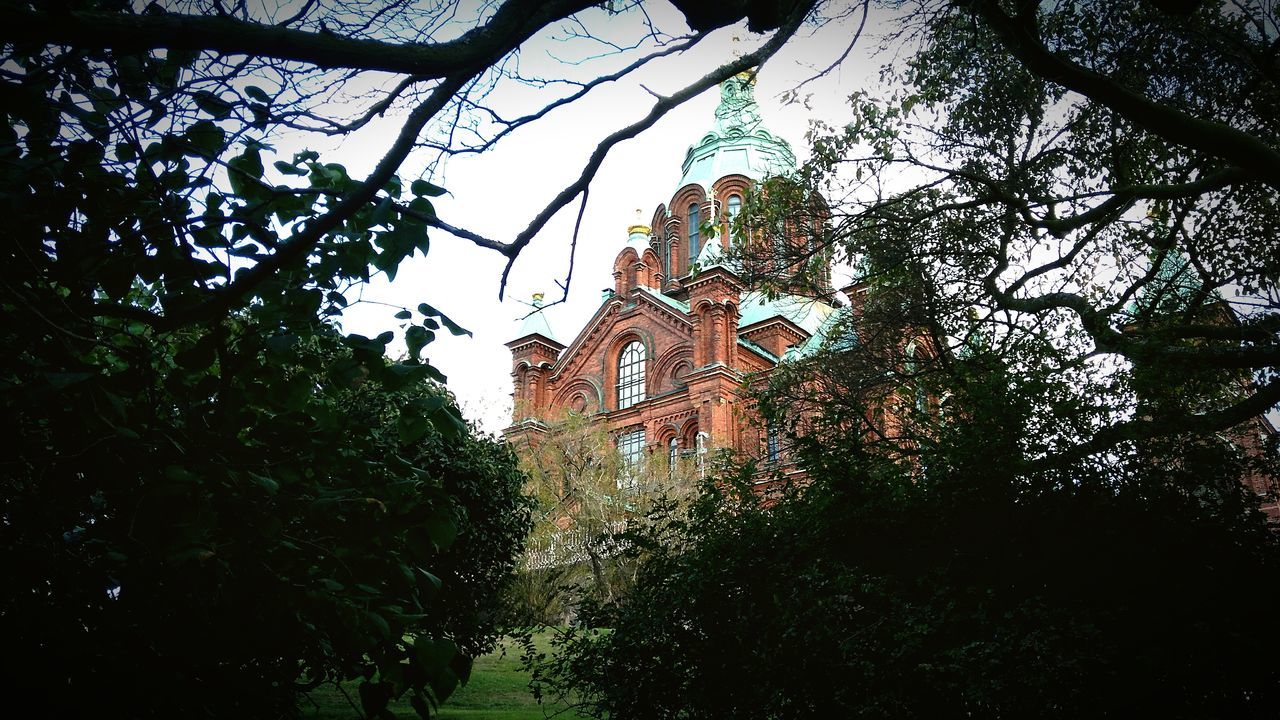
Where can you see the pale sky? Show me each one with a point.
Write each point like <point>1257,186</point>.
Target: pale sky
<point>497,193</point>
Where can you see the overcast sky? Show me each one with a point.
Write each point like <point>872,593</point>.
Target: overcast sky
<point>497,193</point>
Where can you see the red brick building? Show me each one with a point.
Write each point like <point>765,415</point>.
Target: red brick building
<point>663,359</point>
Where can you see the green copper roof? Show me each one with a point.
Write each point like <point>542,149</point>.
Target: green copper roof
<point>535,323</point>
<point>1175,288</point>
<point>667,300</point>
<point>738,143</point>
<point>712,255</point>
<point>823,339</point>
<point>807,313</point>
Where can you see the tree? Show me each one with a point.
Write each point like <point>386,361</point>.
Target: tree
<point>586,495</point>
<point>1092,180</point>
<point>955,583</point>
<point>214,499</point>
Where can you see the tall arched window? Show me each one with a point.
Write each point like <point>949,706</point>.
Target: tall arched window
<point>631,375</point>
<point>694,222</point>
<point>733,207</point>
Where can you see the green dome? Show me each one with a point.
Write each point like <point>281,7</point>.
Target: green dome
<point>739,143</point>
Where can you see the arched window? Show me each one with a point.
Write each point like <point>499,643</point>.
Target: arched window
<point>773,448</point>
<point>694,222</point>
<point>733,207</point>
<point>673,457</point>
<point>909,363</point>
<point>631,375</point>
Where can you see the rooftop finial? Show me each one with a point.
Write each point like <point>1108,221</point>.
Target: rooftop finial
<point>537,299</point>
<point>638,232</point>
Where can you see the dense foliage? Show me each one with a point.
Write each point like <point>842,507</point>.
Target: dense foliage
<point>1081,184</point>
<point>212,498</point>
<point>956,586</point>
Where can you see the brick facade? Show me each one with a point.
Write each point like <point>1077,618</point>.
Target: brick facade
<point>703,335</point>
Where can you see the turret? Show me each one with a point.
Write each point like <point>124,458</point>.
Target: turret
<point>533,353</point>
<point>637,265</point>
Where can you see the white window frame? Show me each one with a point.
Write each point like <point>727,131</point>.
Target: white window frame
<point>631,374</point>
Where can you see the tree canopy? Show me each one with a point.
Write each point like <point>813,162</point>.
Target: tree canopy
<point>215,498</point>
<point>1093,180</point>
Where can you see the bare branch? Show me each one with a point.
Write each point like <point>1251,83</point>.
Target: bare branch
<point>658,110</point>
<point>514,22</point>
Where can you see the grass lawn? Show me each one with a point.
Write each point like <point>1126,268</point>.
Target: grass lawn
<point>498,690</point>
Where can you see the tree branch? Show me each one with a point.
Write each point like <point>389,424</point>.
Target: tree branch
<point>513,23</point>
<point>1211,138</point>
<point>659,109</point>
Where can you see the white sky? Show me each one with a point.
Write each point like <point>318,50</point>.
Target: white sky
<point>497,193</point>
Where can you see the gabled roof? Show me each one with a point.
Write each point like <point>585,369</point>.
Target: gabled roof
<point>663,303</point>
<point>758,349</point>
<point>674,304</point>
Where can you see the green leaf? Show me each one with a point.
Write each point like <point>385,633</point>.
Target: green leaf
<point>258,94</point>
<point>288,169</point>
<point>384,628</point>
<point>60,380</point>
<point>423,207</point>
<point>461,666</point>
<point>280,345</point>
<point>420,706</point>
<point>441,528</point>
<point>243,170</point>
<point>422,187</point>
<point>443,684</point>
<point>454,328</point>
<point>416,338</point>
<point>205,137</point>
<point>435,582</point>
<point>411,426</point>
<point>374,698</point>
<point>382,212</point>
<point>434,655</point>
<point>403,315</point>
<point>212,104</point>
<point>267,483</point>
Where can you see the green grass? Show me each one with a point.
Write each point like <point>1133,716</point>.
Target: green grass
<point>498,690</point>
